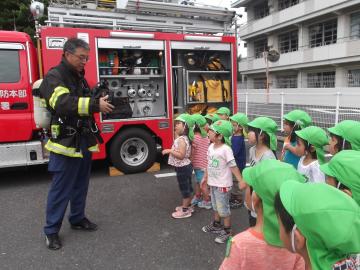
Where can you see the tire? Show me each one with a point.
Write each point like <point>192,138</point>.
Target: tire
<point>133,150</point>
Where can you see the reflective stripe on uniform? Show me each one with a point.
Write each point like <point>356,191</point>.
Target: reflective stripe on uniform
<point>83,106</point>
<point>94,148</point>
<point>58,91</point>
<point>62,150</point>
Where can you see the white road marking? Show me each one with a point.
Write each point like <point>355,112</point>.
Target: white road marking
<point>162,175</point>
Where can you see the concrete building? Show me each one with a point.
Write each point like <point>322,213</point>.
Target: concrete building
<point>318,42</point>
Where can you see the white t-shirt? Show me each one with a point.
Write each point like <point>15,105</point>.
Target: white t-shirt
<point>311,171</point>
<point>220,160</point>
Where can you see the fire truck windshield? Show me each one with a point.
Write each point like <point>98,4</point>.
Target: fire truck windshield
<point>10,66</point>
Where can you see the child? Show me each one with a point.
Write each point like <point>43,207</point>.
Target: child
<point>223,113</point>
<point>199,146</point>
<point>320,223</point>
<point>293,121</point>
<point>310,143</point>
<point>345,135</point>
<point>343,172</point>
<point>179,157</point>
<point>239,122</point>
<point>221,166</point>
<point>260,247</point>
<point>210,119</point>
<point>262,135</point>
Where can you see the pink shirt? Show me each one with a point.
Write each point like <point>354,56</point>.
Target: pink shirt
<point>180,162</point>
<point>250,251</point>
<point>199,148</point>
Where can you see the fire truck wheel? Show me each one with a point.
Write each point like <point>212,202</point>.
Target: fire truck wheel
<point>133,150</point>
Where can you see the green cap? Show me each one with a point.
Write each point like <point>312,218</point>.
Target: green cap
<point>224,128</point>
<point>187,119</point>
<point>348,130</point>
<point>345,167</point>
<point>327,217</point>
<point>299,117</point>
<point>266,179</point>
<point>267,125</point>
<point>212,116</point>
<point>223,110</point>
<point>240,118</point>
<point>317,137</point>
<point>201,122</point>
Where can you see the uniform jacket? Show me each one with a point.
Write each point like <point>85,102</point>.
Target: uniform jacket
<point>68,98</point>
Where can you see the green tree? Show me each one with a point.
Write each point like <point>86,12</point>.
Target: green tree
<point>16,15</point>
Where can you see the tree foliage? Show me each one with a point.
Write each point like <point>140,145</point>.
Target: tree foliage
<point>16,15</point>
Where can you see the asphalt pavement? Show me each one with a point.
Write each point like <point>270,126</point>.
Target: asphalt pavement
<point>133,212</point>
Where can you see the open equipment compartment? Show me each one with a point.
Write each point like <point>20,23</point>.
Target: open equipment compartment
<point>135,71</point>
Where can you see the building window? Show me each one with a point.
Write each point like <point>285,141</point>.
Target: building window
<point>321,79</point>
<point>260,47</point>
<point>261,10</point>
<point>355,26</point>
<point>259,83</point>
<point>354,78</point>
<point>287,3</point>
<point>289,42</point>
<point>289,81</point>
<point>322,34</point>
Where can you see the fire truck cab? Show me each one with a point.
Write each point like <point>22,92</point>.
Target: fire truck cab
<point>154,70</point>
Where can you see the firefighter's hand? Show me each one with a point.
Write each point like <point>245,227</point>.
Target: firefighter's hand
<point>105,106</point>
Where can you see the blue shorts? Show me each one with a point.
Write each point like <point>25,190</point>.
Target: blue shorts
<point>199,175</point>
<point>184,175</point>
<point>220,201</point>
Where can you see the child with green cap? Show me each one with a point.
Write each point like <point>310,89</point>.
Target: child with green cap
<point>239,122</point>
<point>343,172</point>
<point>210,119</point>
<point>179,157</point>
<point>223,113</point>
<point>262,135</point>
<point>320,223</point>
<point>293,121</point>
<point>310,143</point>
<point>218,176</point>
<point>199,147</point>
<point>345,135</point>
<point>260,246</point>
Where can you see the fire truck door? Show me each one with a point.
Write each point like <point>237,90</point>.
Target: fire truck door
<point>16,120</point>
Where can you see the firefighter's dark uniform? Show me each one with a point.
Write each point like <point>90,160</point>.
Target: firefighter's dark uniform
<point>74,136</point>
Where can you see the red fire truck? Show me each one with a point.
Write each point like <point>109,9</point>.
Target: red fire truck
<point>150,53</point>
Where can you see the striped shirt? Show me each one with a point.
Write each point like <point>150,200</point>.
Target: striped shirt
<point>200,147</point>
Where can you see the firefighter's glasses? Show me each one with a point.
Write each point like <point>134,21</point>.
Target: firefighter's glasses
<point>82,58</point>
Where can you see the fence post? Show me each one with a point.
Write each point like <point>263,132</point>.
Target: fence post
<point>282,111</point>
<point>337,109</point>
<point>246,102</point>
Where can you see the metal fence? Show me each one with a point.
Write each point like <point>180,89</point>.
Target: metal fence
<point>326,109</point>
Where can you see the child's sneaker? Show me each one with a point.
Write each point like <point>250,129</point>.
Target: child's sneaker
<point>181,214</point>
<point>196,200</point>
<point>234,203</point>
<point>222,237</point>
<point>205,204</point>
<point>212,229</point>
<point>179,208</point>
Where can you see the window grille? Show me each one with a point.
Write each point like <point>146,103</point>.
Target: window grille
<point>353,78</point>
<point>355,26</point>
<point>259,83</point>
<point>289,42</point>
<point>261,10</point>
<point>259,47</point>
<point>289,81</point>
<point>321,79</point>
<point>287,3</point>
<point>322,34</point>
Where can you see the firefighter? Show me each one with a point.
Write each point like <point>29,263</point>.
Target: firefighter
<point>74,136</point>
